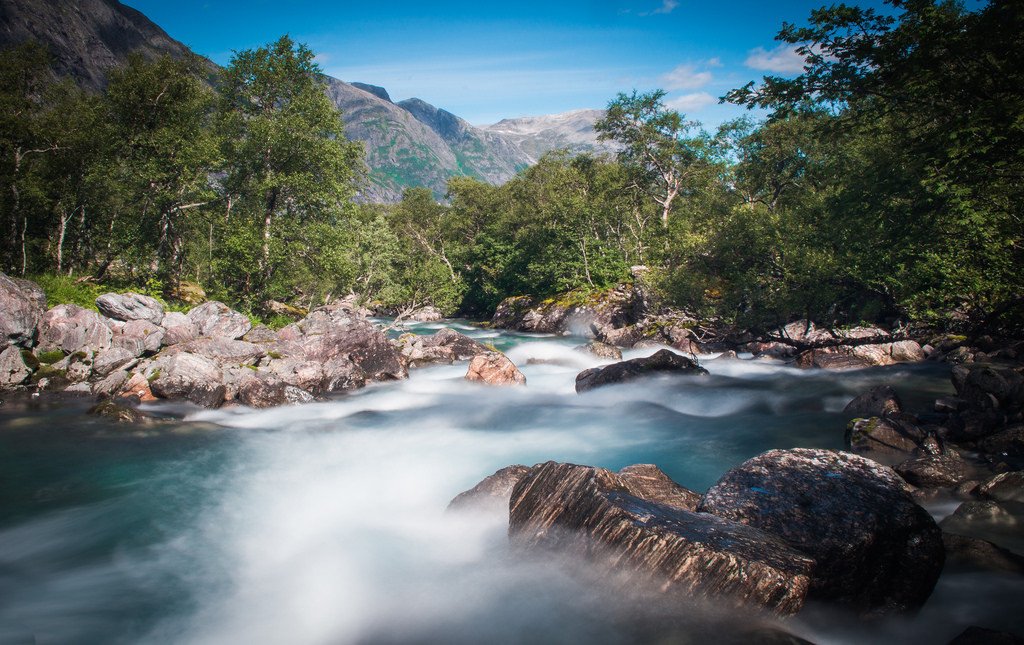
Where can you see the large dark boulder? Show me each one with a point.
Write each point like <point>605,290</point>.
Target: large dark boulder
<point>934,471</point>
<point>592,513</point>
<point>22,304</point>
<point>661,362</point>
<point>876,549</point>
<point>972,553</point>
<point>885,439</point>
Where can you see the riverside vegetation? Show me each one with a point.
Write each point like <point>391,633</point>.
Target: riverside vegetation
<point>884,186</point>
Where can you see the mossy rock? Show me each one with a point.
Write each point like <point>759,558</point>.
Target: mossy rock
<point>58,378</point>
<point>30,359</point>
<point>116,412</point>
<point>48,357</point>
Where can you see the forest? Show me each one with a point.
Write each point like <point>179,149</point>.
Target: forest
<point>885,184</point>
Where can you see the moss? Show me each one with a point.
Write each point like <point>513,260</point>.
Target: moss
<point>79,355</point>
<point>30,360</point>
<point>51,356</point>
<point>154,376</point>
<point>274,355</point>
<point>57,377</point>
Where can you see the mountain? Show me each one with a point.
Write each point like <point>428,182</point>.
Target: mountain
<point>86,37</point>
<point>536,135</point>
<point>408,143</point>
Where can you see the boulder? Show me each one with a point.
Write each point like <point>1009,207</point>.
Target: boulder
<point>335,331</point>
<point>933,471</point>
<point>446,346</point>
<point>972,553</point>
<point>137,387</point>
<point>601,350</point>
<point>188,377</point>
<point>71,328</point>
<point>650,483</point>
<point>975,635</point>
<point>222,351</point>
<point>876,549</point>
<point>426,314</point>
<point>260,333</point>
<point>178,328</point>
<point>463,347</point>
<point>338,374</point>
<point>13,371</point>
<point>130,306</point>
<point>592,513</point>
<point>492,493</point>
<point>111,359</point>
<point>190,293</point>
<point>661,362</point>
<point>494,368</point>
<point>266,391</point>
<point>1009,442</point>
<point>22,304</point>
<point>888,439</point>
<point>1004,487</point>
<point>879,401</point>
<point>139,337</point>
<point>111,384</point>
<point>216,320</point>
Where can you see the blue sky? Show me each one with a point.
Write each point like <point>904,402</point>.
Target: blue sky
<point>486,61</point>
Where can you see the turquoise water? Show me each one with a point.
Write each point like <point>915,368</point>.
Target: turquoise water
<point>325,523</point>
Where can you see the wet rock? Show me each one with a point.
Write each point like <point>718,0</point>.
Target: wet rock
<point>492,493</point>
<point>1005,487</point>
<point>975,635</point>
<point>263,391</point>
<point>933,471</point>
<point>949,404</point>
<point>188,377</point>
<point>602,350</point>
<point>855,356</point>
<point>463,347</point>
<point>971,553</point>
<point>217,320</point>
<point>13,370</point>
<point>130,306</point>
<point>650,483</point>
<point>71,328</point>
<point>335,331</point>
<point>591,513</point>
<point>22,304</point>
<point>662,362</point>
<point>494,368</point>
<point>1009,442</point>
<point>445,346</point>
<point>338,374</point>
<point>114,411</point>
<point>876,549</point>
<point>884,439</point>
<point>879,401</point>
<point>139,337</point>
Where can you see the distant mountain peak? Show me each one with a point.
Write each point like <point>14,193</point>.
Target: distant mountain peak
<point>376,90</point>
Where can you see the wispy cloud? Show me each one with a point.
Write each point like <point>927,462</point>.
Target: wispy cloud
<point>691,102</point>
<point>686,77</point>
<point>782,59</point>
<point>667,6</point>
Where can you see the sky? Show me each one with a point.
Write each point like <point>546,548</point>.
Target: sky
<point>485,61</point>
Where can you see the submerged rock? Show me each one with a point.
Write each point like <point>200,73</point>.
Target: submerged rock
<point>975,635</point>
<point>494,368</point>
<point>972,553</point>
<point>1005,487</point>
<point>879,401</point>
<point>130,306</point>
<point>876,549</point>
<point>492,493</point>
<point>602,350</point>
<point>592,513</point>
<point>662,361</point>
<point>115,411</point>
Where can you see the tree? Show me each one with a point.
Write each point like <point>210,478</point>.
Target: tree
<point>656,143</point>
<point>288,162</point>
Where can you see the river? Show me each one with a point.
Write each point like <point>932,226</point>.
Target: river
<point>325,523</point>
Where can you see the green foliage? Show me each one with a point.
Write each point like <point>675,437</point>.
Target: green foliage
<point>62,289</point>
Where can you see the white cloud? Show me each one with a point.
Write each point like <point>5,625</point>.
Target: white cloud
<point>781,60</point>
<point>667,6</point>
<point>714,62</point>
<point>691,102</point>
<point>685,77</point>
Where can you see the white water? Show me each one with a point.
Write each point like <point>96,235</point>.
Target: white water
<point>326,523</point>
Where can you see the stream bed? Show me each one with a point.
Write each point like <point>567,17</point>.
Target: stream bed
<point>326,523</point>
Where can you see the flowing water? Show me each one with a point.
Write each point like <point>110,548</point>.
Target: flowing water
<point>325,523</point>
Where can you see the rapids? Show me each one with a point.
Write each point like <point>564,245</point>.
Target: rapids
<point>325,523</point>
